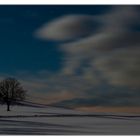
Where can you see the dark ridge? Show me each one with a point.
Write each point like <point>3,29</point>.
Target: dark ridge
<point>75,115</point>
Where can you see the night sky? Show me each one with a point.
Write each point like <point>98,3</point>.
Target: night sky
<point>82,57</point>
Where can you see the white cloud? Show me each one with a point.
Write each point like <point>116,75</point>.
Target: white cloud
<point>121,68</point>
<point>66,28</point>
<point>98,51</point>
<point>103,49</point>
<point>109,55</point>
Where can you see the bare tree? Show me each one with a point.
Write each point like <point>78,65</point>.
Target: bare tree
<point>11,91</point>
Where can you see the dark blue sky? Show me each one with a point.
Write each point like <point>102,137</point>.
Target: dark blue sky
<point>19,49</point>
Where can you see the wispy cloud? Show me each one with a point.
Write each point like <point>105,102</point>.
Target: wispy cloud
<point>66,28</point>
<point>114,42</point>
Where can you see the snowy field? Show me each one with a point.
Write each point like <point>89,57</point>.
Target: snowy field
<point>43,120</point>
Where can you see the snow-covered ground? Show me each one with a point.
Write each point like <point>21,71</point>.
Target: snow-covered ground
<point>43,120</point>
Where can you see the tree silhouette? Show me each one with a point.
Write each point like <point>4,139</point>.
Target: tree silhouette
<point>11,91</point>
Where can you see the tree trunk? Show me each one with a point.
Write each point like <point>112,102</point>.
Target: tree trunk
<point>8,106</point>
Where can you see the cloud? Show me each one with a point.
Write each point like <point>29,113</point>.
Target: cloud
<point>86,50</point>
<point>121,68</point>
<point>95,60</point>
<point>116,37</point>
<point>124,98</point>
<point>51,97</point>
<point>67,28</point>
<point>120,18</point>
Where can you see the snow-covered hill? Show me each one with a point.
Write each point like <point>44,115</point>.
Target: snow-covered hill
<point>31,109</point>
<point>29,118</point>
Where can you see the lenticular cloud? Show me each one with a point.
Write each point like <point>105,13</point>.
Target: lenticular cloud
<point>67,28</point>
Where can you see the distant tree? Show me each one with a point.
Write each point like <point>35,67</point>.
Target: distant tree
<point>11,91</point>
